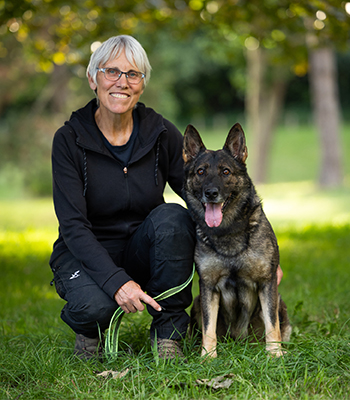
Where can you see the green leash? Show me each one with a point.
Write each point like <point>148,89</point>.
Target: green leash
<point>112,336</point>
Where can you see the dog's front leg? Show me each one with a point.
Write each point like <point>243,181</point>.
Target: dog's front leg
<point>210,308</point>
<point>269,303</point>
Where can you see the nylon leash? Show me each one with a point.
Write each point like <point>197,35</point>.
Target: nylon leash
<point>112,336</point>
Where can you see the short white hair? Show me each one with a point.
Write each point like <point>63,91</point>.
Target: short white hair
<point>112,48</point>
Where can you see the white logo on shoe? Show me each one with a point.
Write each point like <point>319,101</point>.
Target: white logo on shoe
<point>75,275</point>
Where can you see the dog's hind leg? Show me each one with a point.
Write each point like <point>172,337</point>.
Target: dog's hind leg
<point>195,321</point>
<point>269,304</point>
<point>286,328</point>
<point>210,308</point>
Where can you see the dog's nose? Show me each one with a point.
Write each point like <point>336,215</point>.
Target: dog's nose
<point>211,193</point>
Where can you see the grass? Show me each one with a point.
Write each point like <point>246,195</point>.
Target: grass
<point>313,230</point>
<point>36,346</point>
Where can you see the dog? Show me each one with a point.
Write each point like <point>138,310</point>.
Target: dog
<point>236,253</point>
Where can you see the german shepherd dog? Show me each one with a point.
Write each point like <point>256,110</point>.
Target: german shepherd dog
<point>236,253</point>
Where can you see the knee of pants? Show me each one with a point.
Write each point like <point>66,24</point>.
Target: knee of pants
<point>84,311</point>
<point>172,250</point>
<point>174,239</point>
<point>172,219</point>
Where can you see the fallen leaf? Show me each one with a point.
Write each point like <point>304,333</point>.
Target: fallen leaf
<point>114,374</point>
<point>220,382</point>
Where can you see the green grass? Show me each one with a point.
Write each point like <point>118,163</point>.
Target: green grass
<point>36,346</point>
<point>313,231</point>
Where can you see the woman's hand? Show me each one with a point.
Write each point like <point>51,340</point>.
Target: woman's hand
<point>129,298</point>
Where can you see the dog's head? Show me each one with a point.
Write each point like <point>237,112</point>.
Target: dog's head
<point>213,178</point>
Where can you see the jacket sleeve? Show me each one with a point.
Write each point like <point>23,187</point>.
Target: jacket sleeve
<point>71,210</point>
<point>175,143</point>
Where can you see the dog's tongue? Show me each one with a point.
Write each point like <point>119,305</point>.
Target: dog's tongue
<point>213,214</point>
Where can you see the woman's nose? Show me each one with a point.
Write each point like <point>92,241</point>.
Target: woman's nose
<point>122,81</point>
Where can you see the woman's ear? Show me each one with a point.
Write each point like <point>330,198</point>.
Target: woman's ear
<point>92,84</point>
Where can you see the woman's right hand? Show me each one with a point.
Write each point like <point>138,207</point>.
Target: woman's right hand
<point>130,297</point>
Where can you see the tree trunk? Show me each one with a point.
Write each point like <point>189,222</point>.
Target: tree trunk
<point>324,92</point>
<point>263,106</point>
<point>252,98</point>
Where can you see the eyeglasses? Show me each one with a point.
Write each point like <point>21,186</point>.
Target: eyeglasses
<point>114,74</point>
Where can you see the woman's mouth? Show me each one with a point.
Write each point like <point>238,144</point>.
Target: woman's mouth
<point>119,95</point>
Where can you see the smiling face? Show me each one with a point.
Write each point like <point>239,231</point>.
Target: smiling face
<point>117,97</point>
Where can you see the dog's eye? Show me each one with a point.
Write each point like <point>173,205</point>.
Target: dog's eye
<point>226,171</point>
<point>200,171</point>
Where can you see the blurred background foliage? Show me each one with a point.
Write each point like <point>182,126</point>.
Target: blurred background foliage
<point>214,63</point>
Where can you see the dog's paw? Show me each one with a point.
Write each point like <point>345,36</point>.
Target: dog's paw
<point>209,353</point>
<point>209,342</point>
<point>275,349</point>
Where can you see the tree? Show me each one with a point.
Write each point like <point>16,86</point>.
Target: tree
<point>263,106</point>
<point>326,110</point>
<point>321,40</point>
<point>277,36</point>
<point>273,32</point>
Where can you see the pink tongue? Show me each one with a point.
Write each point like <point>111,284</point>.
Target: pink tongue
<point>213,214</point>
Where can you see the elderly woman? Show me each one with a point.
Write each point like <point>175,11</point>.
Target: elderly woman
<point>118,239</point>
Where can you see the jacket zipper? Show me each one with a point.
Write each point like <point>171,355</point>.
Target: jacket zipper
<point>125,170</point>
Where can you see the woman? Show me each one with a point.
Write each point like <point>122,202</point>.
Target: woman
<point>118,239</point>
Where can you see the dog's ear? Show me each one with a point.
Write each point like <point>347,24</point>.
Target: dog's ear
<point>235,143</point>
<point>193,144</point>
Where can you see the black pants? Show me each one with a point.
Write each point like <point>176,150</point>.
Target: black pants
<point>158,256</point>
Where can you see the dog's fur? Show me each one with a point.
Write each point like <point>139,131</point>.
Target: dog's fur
<point>236,253</point>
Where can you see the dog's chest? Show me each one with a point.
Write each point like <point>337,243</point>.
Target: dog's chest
<point>225,276</point>
<point>214,266</point>
<point>237,263</point>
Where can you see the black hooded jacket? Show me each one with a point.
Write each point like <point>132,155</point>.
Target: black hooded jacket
<point>97,199</point>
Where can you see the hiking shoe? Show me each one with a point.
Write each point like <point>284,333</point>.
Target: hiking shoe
<point>87,348</point>
<point>169,349</point>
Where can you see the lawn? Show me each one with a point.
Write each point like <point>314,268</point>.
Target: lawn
<point>313,231</point>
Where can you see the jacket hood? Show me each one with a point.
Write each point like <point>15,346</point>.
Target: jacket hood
<point>88,135</point>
